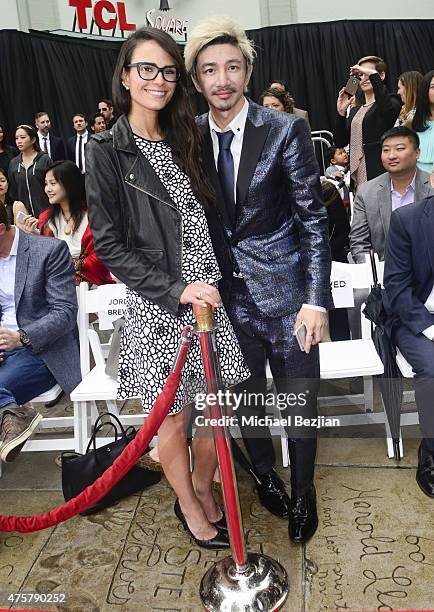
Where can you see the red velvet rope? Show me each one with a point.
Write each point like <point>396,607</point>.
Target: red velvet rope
<point>115,472</point>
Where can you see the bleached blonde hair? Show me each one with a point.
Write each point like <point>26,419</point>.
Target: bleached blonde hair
<point>217,29</point>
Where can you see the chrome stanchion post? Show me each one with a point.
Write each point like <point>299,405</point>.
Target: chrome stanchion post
<point>245,582</point>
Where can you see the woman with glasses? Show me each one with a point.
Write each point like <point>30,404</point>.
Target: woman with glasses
<point>147,193</point>
<point>27,173</point>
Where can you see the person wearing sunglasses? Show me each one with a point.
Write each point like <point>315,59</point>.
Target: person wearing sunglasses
<point>147,192</point>
<point>105,107</point>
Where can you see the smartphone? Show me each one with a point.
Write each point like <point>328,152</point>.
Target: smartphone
<point>301,334</point>
<point>21,217</point>
<point>352,85</point>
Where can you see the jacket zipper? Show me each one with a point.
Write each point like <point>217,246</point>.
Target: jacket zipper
<point>28,191</point>
<point>167,204</point>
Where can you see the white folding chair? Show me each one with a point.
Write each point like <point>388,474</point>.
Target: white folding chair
<point>349,358</point>
<point>96,384</point>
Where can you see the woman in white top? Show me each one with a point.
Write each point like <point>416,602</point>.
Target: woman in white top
<point>66,219</point>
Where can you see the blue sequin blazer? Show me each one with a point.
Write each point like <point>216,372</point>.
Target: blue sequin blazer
<point>277,236</point>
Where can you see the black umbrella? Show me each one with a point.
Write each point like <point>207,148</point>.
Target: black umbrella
<point>391,386</point>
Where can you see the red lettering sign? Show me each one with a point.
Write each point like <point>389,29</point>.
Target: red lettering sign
<point>81,6</point>
<point>104,5</point>
<point>123,23</point>
<point>119,16</point>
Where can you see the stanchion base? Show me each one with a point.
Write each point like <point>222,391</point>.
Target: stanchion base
<point>262,587</point>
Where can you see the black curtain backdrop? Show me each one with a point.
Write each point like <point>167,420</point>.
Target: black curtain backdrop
<point>315,58</point>
<point>63,75</point>
<point>60,75</point>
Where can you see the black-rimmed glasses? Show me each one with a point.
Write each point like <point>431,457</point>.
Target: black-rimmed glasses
<point>149,71</point>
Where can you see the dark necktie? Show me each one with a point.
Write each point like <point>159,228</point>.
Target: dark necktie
<point>225,169</point>
<point>45,145</point>
<point>80,153</point>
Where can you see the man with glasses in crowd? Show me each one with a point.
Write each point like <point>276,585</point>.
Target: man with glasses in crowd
<point>105,107</point>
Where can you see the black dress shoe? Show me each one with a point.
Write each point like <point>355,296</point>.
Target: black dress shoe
<point>303,520</point>
<point>425,472</point>
<point>272,494</point>
<point>219,541</point>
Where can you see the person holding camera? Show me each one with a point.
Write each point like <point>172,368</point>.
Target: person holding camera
<point>366,122</point>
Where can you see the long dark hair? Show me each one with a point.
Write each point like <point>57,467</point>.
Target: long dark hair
<point>176,119</point>
<point>69,176</point>
<point>423,108</point>
<point>411,81</point>
<point>32,133</point>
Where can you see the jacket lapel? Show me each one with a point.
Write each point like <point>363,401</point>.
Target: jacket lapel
<point>422,186</point>
<point>384,199</point>
<point>21,266</point>
<point>253,143</point>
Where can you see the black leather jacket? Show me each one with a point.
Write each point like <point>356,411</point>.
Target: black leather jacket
<point>136,227</point>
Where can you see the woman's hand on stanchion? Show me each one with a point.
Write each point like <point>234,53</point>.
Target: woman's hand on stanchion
<point>201,294</point>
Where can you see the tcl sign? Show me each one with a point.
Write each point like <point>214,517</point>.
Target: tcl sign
<point>107,15</point>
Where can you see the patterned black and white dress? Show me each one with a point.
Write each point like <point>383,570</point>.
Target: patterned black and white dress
<point>151,334</point>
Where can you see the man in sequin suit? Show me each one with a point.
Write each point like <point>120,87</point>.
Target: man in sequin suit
<point>270,234</point>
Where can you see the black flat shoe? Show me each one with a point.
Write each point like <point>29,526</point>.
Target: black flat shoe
<point>303,519</point>
<point>272,494</point>
<point>425,472</point>
<point>219,541</point>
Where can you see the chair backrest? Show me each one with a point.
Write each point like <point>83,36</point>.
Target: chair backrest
<point>108,302</point>
<point>321,145</point>
<point>323,134</point>
<point>348,276</point>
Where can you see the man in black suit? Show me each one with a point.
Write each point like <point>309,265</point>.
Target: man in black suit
<point>270,234</point>
<point>105,107</point>
<point>51,144</point>
<point>76,144</point>
<point>409,285</point>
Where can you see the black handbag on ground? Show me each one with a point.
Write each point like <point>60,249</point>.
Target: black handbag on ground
<point>79,471</point>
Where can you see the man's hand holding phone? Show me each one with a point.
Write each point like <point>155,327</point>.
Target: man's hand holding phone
<point>314,322</point>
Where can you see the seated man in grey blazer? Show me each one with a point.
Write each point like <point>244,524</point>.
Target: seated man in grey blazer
<point>402,183</point>
<point>38,339</point>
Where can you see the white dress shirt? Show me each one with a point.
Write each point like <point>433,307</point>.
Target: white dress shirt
<point>42,142</point>
<point>237,125</point>
<point>84,139</point>
<point>7,286</point>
